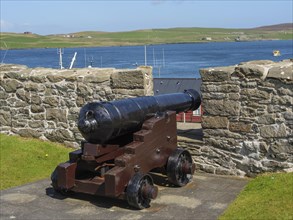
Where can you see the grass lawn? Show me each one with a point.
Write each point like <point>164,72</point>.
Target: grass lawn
<point>269,196</point>
<point>25,160</point>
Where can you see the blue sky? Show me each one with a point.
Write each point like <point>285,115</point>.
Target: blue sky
<point>54,17</point>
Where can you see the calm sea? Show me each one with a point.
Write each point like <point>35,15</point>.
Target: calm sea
<point>168,60</point>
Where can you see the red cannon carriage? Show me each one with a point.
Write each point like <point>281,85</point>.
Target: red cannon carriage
<point>125,140</point>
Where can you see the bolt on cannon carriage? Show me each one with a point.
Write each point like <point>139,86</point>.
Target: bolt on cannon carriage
<point>124,141</point>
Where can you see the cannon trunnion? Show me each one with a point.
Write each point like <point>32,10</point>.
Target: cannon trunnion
<point>125,140</point>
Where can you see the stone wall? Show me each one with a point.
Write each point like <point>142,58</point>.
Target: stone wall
<point>248,119</point>
<point>247,123</point>
<point>44,103</point>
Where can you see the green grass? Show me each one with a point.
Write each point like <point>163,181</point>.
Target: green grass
<point>25,160</point>
<point>139,37</point>
<point>269,196</point>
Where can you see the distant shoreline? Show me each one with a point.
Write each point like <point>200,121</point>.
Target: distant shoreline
<point>31,48</point>
<point>29,40</point>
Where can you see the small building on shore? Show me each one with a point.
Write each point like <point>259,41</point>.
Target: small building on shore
<point>207,38</point>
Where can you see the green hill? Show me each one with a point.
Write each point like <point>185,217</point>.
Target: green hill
<point>142,37</point>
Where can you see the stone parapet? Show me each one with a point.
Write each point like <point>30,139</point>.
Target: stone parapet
<point>248,119</point>
<point>247,124</point>
<point>44,103</point>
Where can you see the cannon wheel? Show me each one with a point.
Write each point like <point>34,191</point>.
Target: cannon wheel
<point>140,190</point>
<point>54,179</point>
<point>180,167</point>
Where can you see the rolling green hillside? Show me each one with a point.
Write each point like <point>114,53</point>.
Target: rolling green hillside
<point>140,37</point>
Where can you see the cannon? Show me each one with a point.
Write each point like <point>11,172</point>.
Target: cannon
<point>126,141</point>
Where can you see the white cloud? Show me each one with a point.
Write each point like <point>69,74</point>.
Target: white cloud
<point>158,2</point>
<point>5,25</point>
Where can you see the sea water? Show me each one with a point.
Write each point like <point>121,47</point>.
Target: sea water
<point>167,60</point>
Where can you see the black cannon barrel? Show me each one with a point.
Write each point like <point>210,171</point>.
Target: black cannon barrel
<point>100,122</point>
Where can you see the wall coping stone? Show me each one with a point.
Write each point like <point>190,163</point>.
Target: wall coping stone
<point>262,69</point>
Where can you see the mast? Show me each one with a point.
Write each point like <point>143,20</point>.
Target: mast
<point>145,57</point>
<point>84,57</point>
<point>163,57</point>
<point>72,61</point>
<point>2,61</point>
<point>59,51</point>
<point>154,63</point>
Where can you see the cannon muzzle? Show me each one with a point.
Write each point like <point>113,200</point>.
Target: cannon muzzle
<point>100,122</point>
